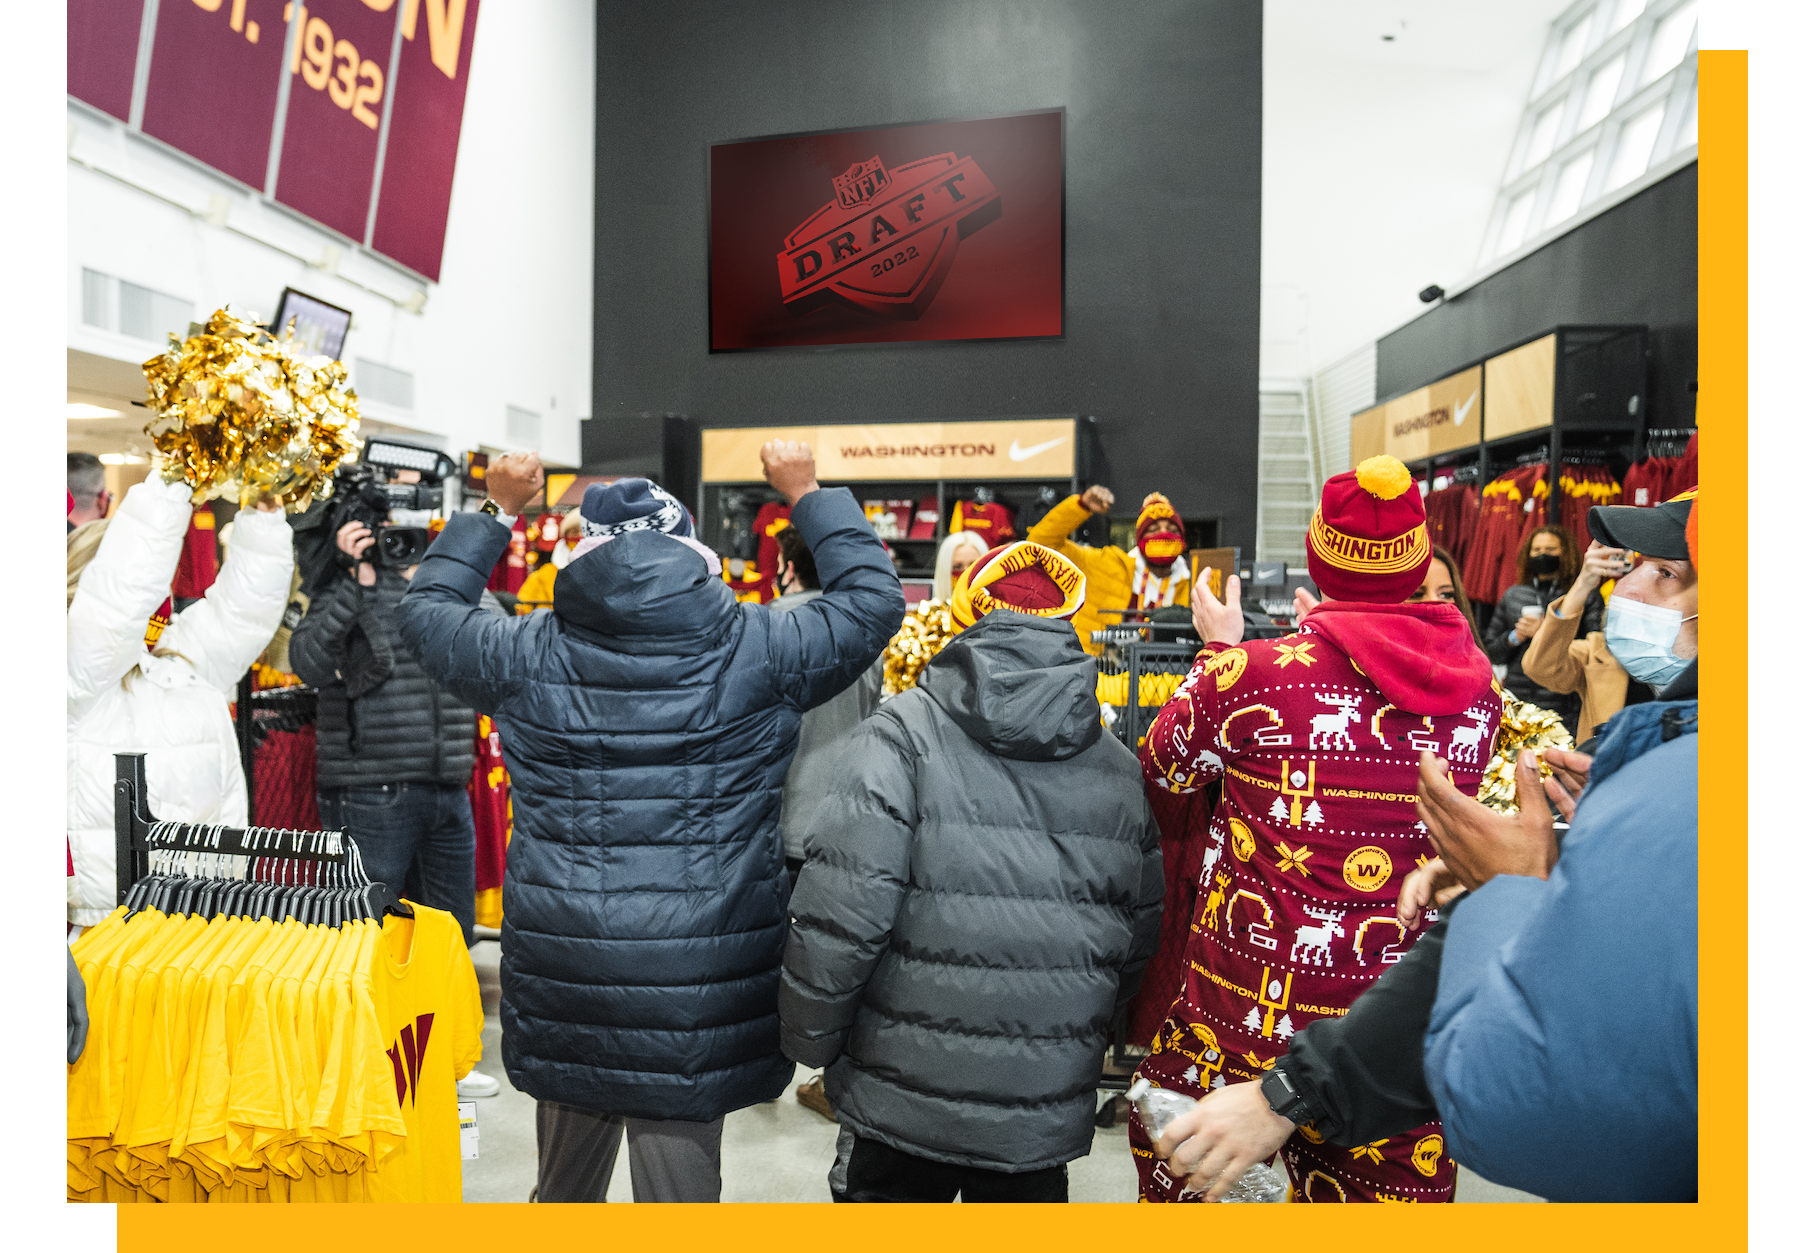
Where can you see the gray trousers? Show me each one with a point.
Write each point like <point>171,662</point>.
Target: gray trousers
<point>670,1160</point>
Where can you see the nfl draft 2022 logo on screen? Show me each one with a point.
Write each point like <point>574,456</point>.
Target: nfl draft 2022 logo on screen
<point>887,239</point>
<point>916,232</point>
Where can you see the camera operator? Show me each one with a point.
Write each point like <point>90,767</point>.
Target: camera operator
<point>394,750</point>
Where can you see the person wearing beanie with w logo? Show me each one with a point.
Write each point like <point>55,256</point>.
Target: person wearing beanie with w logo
<point>1313,741</point>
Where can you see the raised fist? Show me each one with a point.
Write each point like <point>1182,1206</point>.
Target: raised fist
<point>1097,499</point>
<point>789,467</point>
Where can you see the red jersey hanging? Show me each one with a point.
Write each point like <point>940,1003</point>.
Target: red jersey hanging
<point>992,522</point>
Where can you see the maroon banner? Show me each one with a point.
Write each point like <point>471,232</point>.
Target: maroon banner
<point>103,52</point>
<point>337,86</point>
<point>944,230</point>
<point>214,79</point>
<point>429,98</point>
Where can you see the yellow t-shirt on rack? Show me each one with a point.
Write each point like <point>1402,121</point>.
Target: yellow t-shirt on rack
<point>432,1016</point>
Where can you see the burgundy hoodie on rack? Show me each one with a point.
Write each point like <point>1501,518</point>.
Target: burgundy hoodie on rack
<point>1422,657</point>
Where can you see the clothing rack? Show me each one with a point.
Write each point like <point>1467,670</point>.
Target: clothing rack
<point>137,834</point>
<point>1587,456</point>
<point>1535,457</point>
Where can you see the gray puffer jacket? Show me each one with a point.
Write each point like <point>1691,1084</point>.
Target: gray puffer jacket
<point>982,890</point>
<point>379,718</point>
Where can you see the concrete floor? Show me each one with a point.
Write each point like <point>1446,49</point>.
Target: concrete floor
<point>775,1152</point>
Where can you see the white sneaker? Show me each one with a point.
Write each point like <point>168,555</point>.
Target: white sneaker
<point>476,1084</point>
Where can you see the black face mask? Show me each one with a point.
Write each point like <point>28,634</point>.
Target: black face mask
<point>1546,564</point>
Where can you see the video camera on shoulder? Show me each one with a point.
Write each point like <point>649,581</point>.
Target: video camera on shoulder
<point>388,479</point>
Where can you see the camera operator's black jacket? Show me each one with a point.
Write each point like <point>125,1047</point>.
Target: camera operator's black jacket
<point>379,718</point>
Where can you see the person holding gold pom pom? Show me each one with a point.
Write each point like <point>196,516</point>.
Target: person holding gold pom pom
<point>1313,742</point>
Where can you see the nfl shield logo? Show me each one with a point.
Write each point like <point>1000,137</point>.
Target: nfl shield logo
<point>861,183</point>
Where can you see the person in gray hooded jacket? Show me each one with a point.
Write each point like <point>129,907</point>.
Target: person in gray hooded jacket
<point>981,892</point>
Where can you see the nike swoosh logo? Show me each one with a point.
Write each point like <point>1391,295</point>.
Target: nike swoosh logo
<point>1018,453</point>
<point>1463,408</point>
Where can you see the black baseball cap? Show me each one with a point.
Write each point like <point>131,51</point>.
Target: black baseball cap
<point>1653,532</point>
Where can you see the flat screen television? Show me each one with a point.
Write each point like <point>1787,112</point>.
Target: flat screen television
<point>321,328</point>
<point>922,231</point>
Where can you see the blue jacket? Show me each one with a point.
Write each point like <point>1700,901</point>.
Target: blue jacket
<point>648,723</point>
<point>1562,1047</point>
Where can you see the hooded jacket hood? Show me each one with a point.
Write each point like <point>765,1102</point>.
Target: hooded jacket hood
<point>642,583</point>
<point>1019,685</point>
<point>1422,657</point>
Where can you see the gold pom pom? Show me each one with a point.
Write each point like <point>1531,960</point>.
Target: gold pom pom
<point>242,415</point>
<point>1384,477</point>
<point>1155,498</point>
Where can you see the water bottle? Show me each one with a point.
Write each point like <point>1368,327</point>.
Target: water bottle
<point>1156,1107</point>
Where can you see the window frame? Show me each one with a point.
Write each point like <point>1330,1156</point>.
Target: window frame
<point>1632,42</point>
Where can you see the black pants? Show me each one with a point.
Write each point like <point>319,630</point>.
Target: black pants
<point>877,1172</point>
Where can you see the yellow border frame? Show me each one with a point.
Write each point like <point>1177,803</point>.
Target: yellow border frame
<point>1719,1220</point>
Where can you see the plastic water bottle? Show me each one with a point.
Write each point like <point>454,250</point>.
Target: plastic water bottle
<point>1157,1107</point>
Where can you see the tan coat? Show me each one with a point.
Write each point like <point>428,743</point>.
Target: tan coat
<point>1559,661</point>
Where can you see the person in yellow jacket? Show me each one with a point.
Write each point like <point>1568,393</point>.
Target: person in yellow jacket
<point>538,590</point>
<point>1151,574</point>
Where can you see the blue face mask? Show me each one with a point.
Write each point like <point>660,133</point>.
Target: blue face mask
<point>1641,638</point>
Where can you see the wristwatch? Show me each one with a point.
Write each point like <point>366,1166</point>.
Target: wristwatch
<point>1286,1100</point>
<point>490,506</point>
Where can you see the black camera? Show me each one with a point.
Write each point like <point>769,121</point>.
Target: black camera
<point>361,495</point>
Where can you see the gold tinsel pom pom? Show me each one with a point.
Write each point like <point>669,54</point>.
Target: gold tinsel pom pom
<point>1522,726</point>
<point>242,415</point>
<point>1384,477</point>
<point>925,629</point>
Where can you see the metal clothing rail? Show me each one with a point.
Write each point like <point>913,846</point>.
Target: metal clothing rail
<point>137,833</point>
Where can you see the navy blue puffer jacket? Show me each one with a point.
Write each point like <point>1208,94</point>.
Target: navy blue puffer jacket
<point>648,723</point>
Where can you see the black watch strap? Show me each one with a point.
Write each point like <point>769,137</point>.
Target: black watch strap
<point>1284,1098</point>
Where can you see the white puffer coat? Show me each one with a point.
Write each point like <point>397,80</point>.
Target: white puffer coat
<point>175,710</point>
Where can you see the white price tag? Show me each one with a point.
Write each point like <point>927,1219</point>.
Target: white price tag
<point>469,1130</point>
<point>1529,503</point>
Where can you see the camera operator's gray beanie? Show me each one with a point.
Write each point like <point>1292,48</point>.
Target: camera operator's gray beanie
<point>612,509</point>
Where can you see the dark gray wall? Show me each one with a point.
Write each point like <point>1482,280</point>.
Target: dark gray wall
<point>1634,263</point>
<point>1162,261</point>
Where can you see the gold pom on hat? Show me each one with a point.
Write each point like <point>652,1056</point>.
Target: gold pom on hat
<point>1383,477</point>
<point>242,415</point>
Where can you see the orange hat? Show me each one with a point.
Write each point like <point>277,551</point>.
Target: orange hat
<point>1156,508</point>
<point>1367,540</point>
<point>1024,577</point>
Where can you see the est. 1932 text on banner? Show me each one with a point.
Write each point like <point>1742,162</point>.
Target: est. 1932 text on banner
<point>366,77</point>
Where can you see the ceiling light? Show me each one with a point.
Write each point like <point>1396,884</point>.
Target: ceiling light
<point>74,410</point>
<point>121,459</point>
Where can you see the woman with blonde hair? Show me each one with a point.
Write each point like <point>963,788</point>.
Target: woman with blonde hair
<point>168,701</point>
<point>956,553</point>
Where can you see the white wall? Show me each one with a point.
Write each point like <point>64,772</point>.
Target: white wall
<point>510,322</point>
<point>1380,160</point>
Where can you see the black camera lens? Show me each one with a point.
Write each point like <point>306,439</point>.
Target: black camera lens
<point>402,546</point>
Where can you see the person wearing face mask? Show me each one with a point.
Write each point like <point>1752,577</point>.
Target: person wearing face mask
<point>1549,563</point>
<point>1152,574</point>
<point>956,552</point>
<point>1649,633</point>
<point>1555,1039</point>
